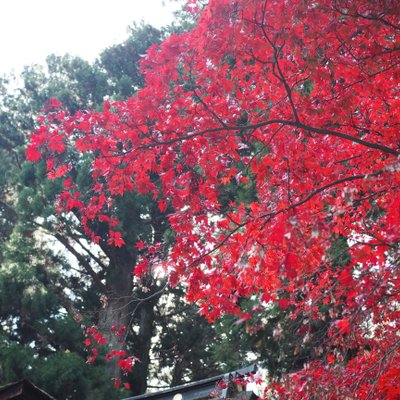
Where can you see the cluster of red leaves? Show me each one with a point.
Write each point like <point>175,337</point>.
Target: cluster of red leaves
<point>300,100</point>
<point>95,340</point>
<point>371,375</point>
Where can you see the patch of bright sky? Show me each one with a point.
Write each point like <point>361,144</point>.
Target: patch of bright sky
<point>30,30</point>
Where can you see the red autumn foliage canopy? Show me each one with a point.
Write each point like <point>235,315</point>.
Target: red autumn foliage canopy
<point>298,104</point>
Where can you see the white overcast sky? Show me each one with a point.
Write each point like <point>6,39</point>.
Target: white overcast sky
<point>32,29</point>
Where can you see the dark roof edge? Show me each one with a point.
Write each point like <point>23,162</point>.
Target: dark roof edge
<point>29,383</point>
<point>187,386</point>
<point>25,382</point>
<point>8,385</point>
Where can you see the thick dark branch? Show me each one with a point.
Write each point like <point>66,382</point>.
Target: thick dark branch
<point>82,261</point>
<point>329,132</point>
<point>77,235</point>
<point>98,261</point>
<point>296,124</point>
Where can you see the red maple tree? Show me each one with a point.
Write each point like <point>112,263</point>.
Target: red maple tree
<point>297,102</point>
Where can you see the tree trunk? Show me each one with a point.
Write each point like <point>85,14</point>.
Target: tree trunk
<point>117,302</point>
<point>118,309</point>
<point>177,373</point>
<point>142,345</point>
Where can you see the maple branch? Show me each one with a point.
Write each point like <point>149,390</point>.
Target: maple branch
<point>372,75</point>
<point>379,362</point>
<point>270,215</point>
<point>321,131</point>
<point>369,17</point>
<point>347,159</point>
<point>205,105</point>
<point>377,18</point>
<point>281,76</point>
<point>320,190</point>
<point>324,131</point>
<point>154,295</point>
<point>359,59</point>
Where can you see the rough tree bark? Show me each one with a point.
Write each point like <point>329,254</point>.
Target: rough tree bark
<point>117,301</point>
